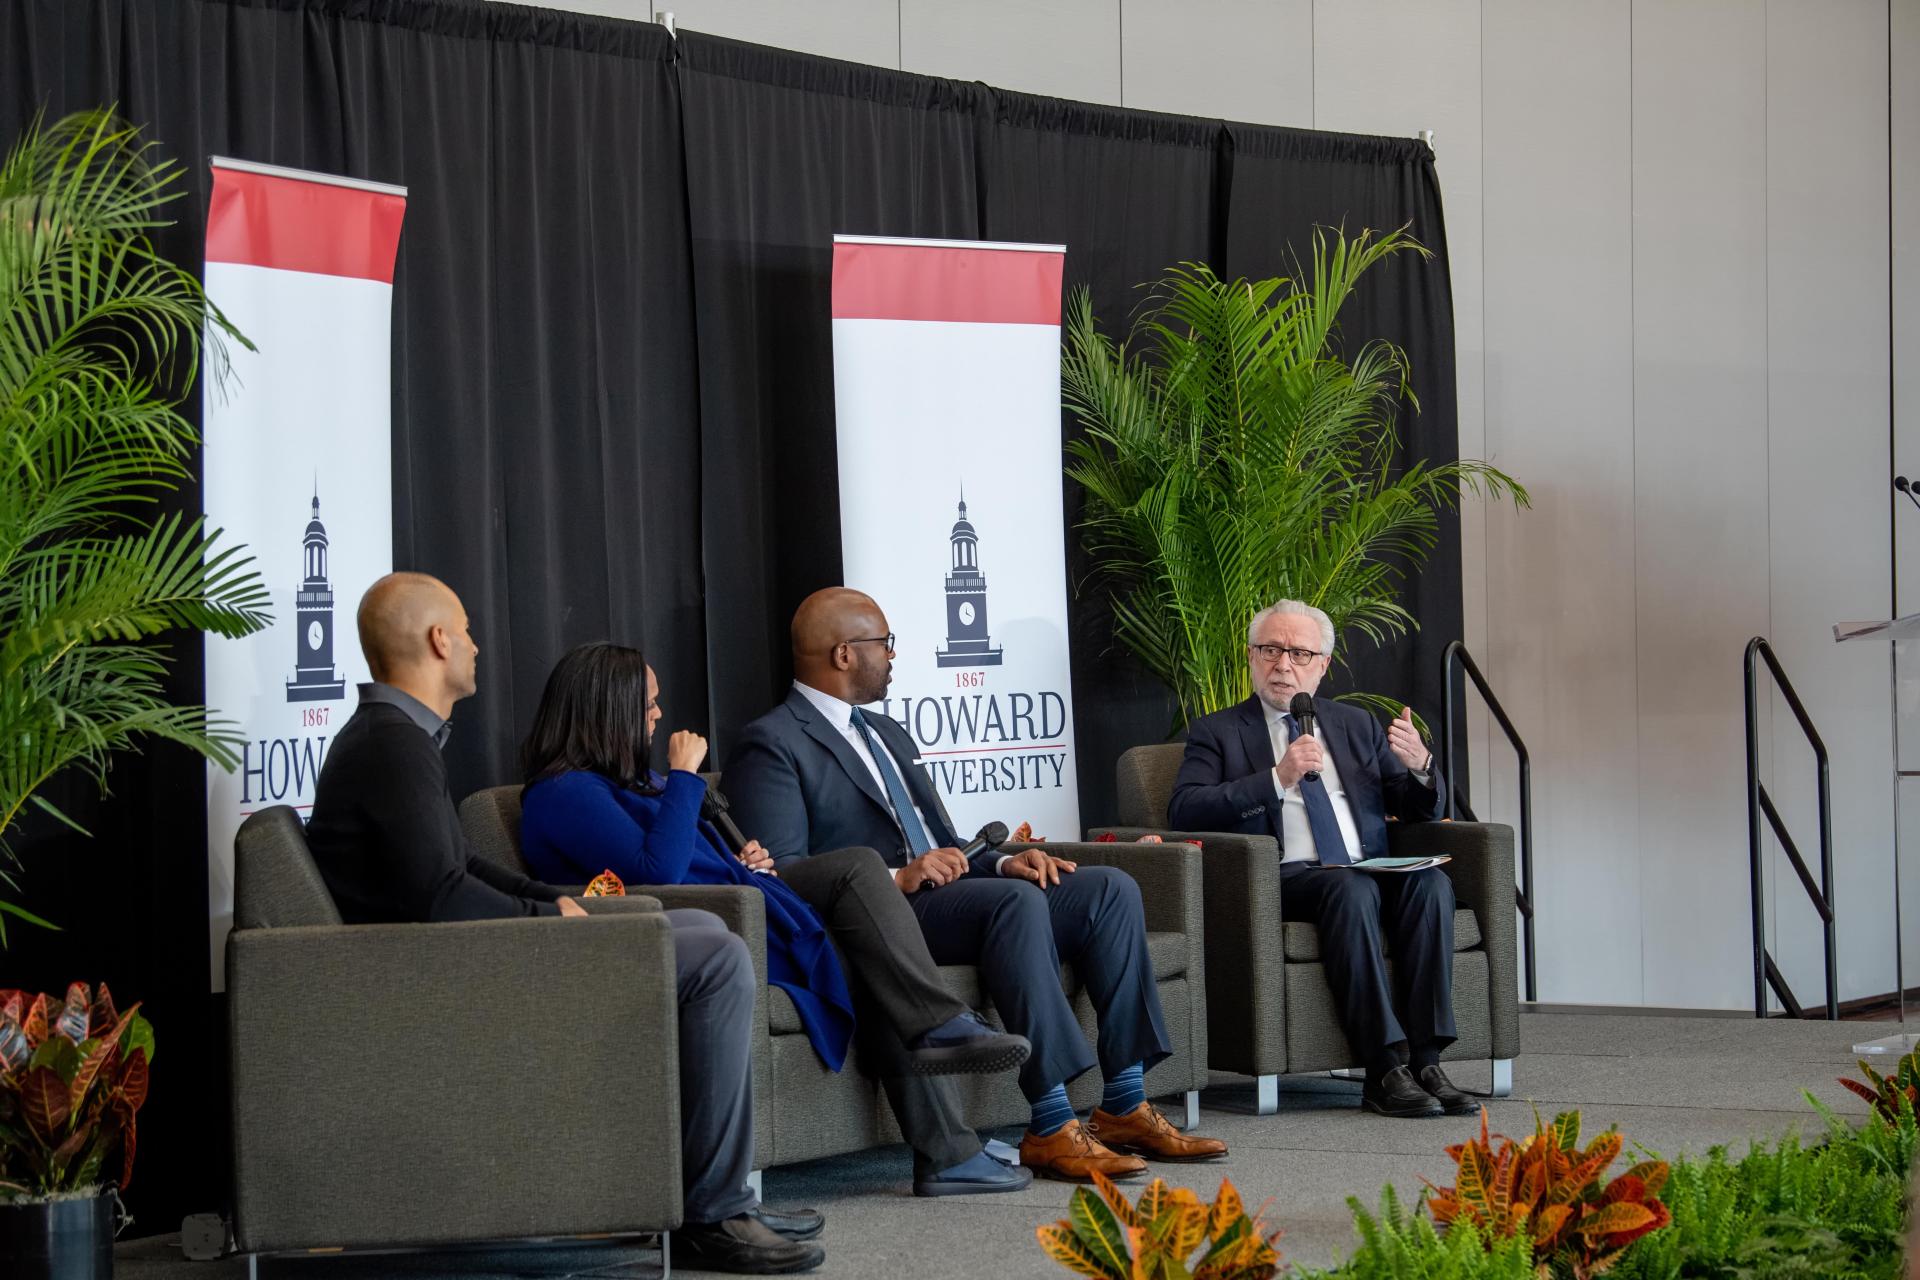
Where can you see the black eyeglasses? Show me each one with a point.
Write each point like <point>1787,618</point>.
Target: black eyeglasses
<point>886,639</point>
<point>1270,654</point>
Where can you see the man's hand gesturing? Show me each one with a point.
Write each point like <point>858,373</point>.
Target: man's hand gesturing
<point>935,867</point>
<point>1405,742</point>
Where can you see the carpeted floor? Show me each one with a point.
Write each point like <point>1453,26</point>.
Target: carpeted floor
<point>1670,1083</point>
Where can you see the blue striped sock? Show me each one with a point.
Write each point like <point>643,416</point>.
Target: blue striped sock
<point>1125,1091</point>
<point>1051,1112</point>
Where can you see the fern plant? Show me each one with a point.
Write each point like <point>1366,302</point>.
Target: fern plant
<point>1401,1245</point>
<point>100,339</point>
<point>1232,457</point>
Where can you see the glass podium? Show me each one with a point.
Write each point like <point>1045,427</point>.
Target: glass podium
<point>1901,701</point>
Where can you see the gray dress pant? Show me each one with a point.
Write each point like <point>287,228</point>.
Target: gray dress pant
<point>898,993</point>
<point>714,972</point>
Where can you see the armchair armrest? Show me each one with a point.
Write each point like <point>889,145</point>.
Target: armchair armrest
<point>1240,876</point>
<point>741,908</point>
<point>1482,876</point>
<point>417,1084</point>
<point>1169,876</point>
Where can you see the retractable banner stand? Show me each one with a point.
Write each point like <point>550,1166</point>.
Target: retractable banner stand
<point>946,362</point>
<point>298,466</point>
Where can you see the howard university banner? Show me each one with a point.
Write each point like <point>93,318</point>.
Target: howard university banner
<point>297,465</point>
<point>946,359</point>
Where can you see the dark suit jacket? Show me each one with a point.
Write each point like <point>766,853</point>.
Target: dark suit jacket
<point>387,838</point>
<point>797,787</point>
<point>1226,777</point>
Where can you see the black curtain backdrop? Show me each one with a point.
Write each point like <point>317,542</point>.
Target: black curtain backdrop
<point>783,151</point>
<point>612,368</point>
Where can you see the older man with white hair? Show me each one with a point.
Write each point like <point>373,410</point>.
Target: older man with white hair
<point>1325,795</point>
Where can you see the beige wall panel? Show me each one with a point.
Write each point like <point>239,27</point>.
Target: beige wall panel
<point>1828,330</point>
<point>857,30</point>
<point>1174,58</point>
<point>1559,411</point>
<point>1700,478</point>
<point>1062,48</point>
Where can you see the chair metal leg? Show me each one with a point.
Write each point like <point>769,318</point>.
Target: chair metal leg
<point>1192,1099</point>
<point>753,1180</point>
<point>666,1255</point>
<point>1266,1095</point>
<point>1502,1078</point>
<point>253,1266</point>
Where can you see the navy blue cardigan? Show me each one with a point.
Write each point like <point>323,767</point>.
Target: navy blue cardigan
<point>575,825</point>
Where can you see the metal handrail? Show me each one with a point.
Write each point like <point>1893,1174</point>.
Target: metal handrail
<point>1760,805</point>
<point>1457,806</point>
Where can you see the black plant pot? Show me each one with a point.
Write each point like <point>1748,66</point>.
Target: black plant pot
<point>61,1240</point>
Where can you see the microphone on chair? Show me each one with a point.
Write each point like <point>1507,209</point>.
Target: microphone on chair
<point>715,809</point>
<point>991,836</point>
<point>1301,708</point>
<point>1905,486</point>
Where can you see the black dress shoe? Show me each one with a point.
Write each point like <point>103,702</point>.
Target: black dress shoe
<point>966,1046</point>
<point>1451,1100</point>
<point>794,1224</point>
<point>1395,1094</point>
<point>744,1247</point>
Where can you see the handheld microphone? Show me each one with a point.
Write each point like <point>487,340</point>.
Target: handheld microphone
<point>1905,486</point>
<point>715,809</point>
<point>1302,710</point>
<point>991,836</point>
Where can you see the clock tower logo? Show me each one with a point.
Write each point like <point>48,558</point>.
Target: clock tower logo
<point>314,679</point>
<point>968,644</point>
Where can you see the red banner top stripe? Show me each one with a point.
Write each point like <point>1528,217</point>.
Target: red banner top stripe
<point>265,220</point>
<point>938,282</point>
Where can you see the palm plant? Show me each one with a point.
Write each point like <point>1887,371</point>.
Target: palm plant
<point>99,342</point>
<point>1231,457</point>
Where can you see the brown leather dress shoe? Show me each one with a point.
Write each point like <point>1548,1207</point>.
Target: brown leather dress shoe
<point>1073,1155</point>
<point>1144,1131</point>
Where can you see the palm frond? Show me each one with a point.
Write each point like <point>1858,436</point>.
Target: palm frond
<point>1230,457</point>
<point>100,338</point>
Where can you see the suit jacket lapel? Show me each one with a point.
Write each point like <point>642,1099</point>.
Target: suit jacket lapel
<point>918,779</point>
<point>1340,747</point>
<point>1254,735</point>
<point>829,737</point>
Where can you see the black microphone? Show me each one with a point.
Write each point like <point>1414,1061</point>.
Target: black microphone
<point>1904,486</point>
<point>1302,710</point>
<point>715,809</point>
<point>991,836</point>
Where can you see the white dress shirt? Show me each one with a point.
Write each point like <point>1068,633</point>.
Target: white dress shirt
<point>1296,834</point>
<point>840,715</point>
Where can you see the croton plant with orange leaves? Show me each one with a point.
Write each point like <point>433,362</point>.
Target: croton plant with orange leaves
<point>1105,1238</point>
<point>73,1075</point>
<point>1548,1188</point>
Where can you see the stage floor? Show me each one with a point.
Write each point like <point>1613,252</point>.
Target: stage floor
<point>1671,1083</point>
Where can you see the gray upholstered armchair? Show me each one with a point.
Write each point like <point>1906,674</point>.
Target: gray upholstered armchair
<point>400,1085</point>
<point>802,1111</point>
<point>1269,1011</point>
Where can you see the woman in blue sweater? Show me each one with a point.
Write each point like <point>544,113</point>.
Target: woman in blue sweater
<point>593,804</point>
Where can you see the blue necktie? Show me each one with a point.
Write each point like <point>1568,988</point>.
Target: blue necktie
<point>1327,840</point>
<point>917,842</point>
